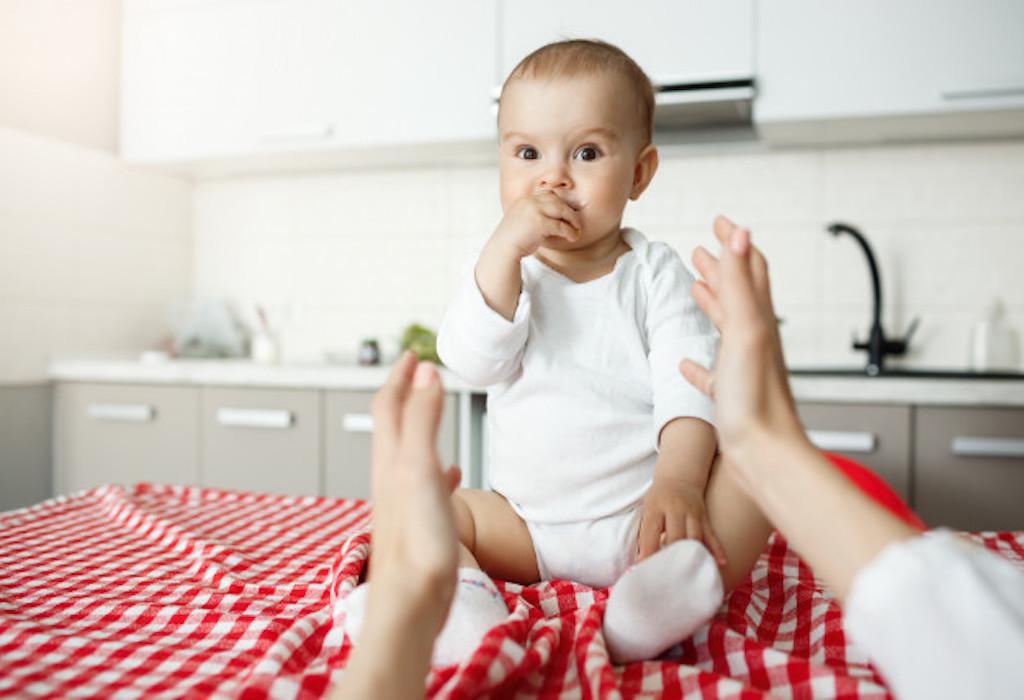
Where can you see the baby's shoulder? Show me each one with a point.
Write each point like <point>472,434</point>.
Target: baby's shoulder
<point>654,258</point>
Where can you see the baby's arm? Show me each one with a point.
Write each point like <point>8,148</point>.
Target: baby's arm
<point>484,329</point>
<point>521,232</point>
<point>676,328</point>
<point>674,504</point>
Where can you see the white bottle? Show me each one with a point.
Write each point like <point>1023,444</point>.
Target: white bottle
<point>994,345</point>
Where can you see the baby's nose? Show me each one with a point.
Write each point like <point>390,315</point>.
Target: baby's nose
<point>556,177</point>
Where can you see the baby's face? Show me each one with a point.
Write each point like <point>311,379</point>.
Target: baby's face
<point>577,138</point>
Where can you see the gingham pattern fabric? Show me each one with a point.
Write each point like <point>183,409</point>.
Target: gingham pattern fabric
<point>161,591</point>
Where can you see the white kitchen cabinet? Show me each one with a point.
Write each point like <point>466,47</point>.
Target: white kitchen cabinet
<point>223,79</point>
<point>674,42</point>
<point>874,70</point>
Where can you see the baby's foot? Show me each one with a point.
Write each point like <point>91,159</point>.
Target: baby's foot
<point>661,601</point>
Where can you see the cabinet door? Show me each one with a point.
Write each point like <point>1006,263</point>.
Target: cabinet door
<point>348,428</point>
<point>262,440</point>
<point>969,467</point>
<point>224,79</point>
<point>203,79</point>
<point>123,434</point>
<point>412,72</point>
<point>877,436</point>
<point>674,42</point>
<point>873,68</point>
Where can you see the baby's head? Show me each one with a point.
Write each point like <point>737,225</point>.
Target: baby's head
<point>576,118</point>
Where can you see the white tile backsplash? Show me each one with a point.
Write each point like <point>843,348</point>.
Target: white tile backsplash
<point>357,254</point>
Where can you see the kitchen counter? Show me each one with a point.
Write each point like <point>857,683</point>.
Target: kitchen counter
<point>231,373</point>
<point>807,387</point>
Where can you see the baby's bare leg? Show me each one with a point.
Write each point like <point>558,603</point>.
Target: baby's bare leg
<point>493,537</point>
<point>741,527</point>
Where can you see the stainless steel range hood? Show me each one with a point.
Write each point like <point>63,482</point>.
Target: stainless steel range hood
<point>704,112</point>
<point>694,112</point>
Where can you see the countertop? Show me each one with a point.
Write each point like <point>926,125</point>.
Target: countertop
<point>843,389</point>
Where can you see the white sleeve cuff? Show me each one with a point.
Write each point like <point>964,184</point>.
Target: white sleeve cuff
<point>484,330</point>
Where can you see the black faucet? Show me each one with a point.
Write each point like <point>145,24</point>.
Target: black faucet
<point>877,345</point>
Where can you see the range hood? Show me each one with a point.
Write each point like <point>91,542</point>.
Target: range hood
<point>702,106</point>
<point>692,112</point>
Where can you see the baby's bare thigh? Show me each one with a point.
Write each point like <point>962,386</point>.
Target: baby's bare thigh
<point>497,537</point>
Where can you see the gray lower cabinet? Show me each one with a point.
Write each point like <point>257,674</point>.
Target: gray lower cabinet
<point>125,433</point>
<point>877,436</point>
<point>970,467</point>
<point>26,417</point>
<point>264,440</point>
<point>348,434</point>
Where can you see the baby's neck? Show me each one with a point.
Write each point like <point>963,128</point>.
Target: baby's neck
<point>594,260</point>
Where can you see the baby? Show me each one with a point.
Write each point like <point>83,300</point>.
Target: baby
<point>601,455</point>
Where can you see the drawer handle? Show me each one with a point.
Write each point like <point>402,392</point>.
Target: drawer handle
<point>964,446</point>
<point>123,412</point>
<point>984,93</point>
<point>357,422</point>
<point>254,418</point>
<point>843,441</point>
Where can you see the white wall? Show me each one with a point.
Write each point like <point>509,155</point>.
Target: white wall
<point>347,255</point>
<point>59,69</point>
<point>91,253</point>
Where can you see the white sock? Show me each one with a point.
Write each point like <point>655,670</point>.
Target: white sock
<point>476,608</point>
<point>661,601</point>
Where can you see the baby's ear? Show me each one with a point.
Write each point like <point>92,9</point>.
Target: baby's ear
<point>643,171</point>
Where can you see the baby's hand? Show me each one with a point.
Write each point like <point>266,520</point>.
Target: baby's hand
<point>673,509</point>
<point>532,219</point>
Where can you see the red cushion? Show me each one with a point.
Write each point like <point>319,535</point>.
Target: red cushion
<point>873,486</point>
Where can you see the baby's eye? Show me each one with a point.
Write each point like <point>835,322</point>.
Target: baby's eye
<point>587,153</point>
<point>527,153</point>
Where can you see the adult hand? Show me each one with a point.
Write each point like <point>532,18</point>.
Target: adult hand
<point>753,403</point>
<point>415,546</point>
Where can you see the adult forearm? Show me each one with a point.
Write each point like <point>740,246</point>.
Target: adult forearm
<point>499,278</point>
<point>831,523</point>
<point>391,662</point>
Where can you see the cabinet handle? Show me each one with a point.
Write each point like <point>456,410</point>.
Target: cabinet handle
<point>124,412</point>
<point>843,441</point>
<point>966,446</point>
<point>357,422</point>
<point>983,93</point>
<point>301,132</point>
<point>254,418</point>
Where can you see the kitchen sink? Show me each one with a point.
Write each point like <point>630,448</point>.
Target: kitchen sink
<point>909,373</point>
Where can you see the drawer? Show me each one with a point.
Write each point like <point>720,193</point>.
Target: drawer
<point>125,433</point>
<point>261,440</point>
<point>877,436</point>
<point>348,428</point>
<point>969,467</point>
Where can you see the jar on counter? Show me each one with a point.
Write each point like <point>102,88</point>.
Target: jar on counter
<point>369,352</point>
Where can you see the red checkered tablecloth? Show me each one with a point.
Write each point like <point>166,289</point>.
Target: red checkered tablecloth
<point>178,591</point>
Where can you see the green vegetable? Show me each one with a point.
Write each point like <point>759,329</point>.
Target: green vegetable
<point>422,341</point>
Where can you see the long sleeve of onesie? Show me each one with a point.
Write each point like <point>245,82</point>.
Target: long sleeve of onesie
<point>676,329</point>
<point>476,342</point>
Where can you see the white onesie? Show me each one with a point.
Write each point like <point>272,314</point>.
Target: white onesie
<point>580,383</point>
